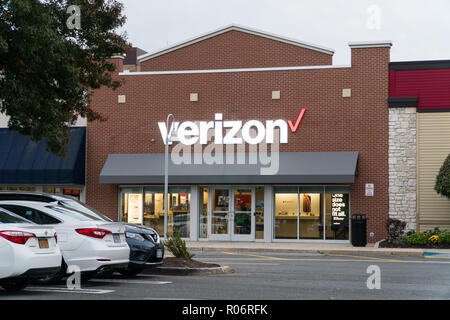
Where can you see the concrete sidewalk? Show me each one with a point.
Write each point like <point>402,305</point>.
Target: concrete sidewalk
<point>323,248</point>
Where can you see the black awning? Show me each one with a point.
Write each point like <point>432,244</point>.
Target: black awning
<point>23,161</point>
<point>293,168</point>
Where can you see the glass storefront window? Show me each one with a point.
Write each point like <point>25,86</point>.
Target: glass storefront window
<point>179,211</point>
<point>53,190</point>
<point>203,216</point>
<point>299,212</point>
<point>337,213</point>
<point>259,213</point>
<point>131,205</point>
<point>20,188</point>
<point>154,208</point>
<point>220,210</point>
<point>286,212</point>
<point>146,206</point>
<point>311,209</point>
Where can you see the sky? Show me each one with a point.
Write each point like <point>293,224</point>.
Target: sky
<point>419,30</point>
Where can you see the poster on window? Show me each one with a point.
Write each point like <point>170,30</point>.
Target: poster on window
<point>339,209</point>
<point>135,208</point>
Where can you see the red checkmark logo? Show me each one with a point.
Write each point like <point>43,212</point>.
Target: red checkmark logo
<point>297,123</point>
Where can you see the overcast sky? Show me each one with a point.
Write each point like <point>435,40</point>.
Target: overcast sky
<point>419,29</point>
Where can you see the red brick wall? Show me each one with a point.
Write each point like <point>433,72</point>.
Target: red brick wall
<point>331,123</point>
<point>235,49</point>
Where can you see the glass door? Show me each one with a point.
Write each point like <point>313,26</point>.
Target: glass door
<point>242,216</point>
<point>219,224</point>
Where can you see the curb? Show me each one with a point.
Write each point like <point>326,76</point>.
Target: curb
<point>190,271</point>
<point>377,251</point>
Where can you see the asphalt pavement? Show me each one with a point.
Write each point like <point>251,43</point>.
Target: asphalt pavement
<point>272,276</point>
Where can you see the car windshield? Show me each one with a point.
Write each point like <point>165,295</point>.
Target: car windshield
<point>9,217</point>
<point>73,204</point>
<point>73,213</point>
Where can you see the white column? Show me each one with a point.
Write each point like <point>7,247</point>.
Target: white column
<point>268,213</point>
<point>194,214</point>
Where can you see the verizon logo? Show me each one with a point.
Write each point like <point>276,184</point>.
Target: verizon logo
<point>231,131</point>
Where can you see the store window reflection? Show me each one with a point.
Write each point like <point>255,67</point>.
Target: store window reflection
<point>286,212</point>
<point>203,217</point>
<point>259,213</point>
<point>179,211</point>
<point>154,208</point>
<point>131,205</point>
<point>311,217</point>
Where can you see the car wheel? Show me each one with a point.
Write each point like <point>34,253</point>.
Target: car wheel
<point>130,272</point>
<point>14,284</point>
<point>55,278</point>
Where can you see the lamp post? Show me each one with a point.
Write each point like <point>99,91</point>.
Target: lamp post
<point>171,137</point>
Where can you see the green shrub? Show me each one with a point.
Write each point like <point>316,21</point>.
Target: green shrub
<point>395,229</point>
<point>178,247</point>
<point>435,232</point>
<point>444,238</point>
<point>442,185</point>
<point>410,232</point>
<point>419,238</point>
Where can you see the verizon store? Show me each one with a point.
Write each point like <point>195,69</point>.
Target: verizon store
<point>273,141</point>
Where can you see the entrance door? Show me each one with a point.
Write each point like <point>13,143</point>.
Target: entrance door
<point>219,213</point>
<point>243,225</point>
<point>231,212</point>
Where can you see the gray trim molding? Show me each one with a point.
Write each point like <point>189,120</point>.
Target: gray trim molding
<point>294,168</point>
<point>403,102</point>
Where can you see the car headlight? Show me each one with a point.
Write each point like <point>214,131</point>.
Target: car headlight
<point>135,236</point>
<point>155,238</point>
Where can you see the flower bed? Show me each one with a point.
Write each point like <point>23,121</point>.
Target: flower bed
<point>430,239</point>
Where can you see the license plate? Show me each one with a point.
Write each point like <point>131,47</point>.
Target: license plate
<point>159,253</point>
<point>116,238</point>
<point>43,243</point>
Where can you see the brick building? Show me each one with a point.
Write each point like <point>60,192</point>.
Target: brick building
<point>333,153</point>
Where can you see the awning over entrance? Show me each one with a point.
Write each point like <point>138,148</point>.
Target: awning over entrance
<point>298,167</point>
<point>23,161</point>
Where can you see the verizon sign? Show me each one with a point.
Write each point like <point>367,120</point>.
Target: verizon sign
<point>231,132</point>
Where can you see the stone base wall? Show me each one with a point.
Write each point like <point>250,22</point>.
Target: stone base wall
<point>403,165</point>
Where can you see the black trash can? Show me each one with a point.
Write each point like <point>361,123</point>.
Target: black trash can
<point>359,230</point>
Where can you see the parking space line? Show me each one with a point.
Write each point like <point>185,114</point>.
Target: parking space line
<point>362,257</point>
<point>67,290</point>
<point>258,256</point>
<point>130,281</point>
<point>359,258</point>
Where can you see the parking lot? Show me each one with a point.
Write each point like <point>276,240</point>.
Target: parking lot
<point>270,276</point>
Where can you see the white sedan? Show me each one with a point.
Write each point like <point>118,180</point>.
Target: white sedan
<point>27,251</point>
<point>88,243</point>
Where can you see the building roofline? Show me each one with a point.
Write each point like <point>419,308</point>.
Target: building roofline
<point>419,65</point>
<point>370,44</point>
<point>141,73</point>
<point>235,27</point>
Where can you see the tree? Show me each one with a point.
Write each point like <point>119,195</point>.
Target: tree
<point>442,185</point>
<point>49,67</point>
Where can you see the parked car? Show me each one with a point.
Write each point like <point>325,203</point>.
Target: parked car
<point>146,247</point>
<point>92,244</point>
<point>27,251</point>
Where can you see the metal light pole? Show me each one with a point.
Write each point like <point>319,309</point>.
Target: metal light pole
<point>166,171</point>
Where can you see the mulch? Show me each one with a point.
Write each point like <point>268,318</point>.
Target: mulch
<point>184,263</point>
